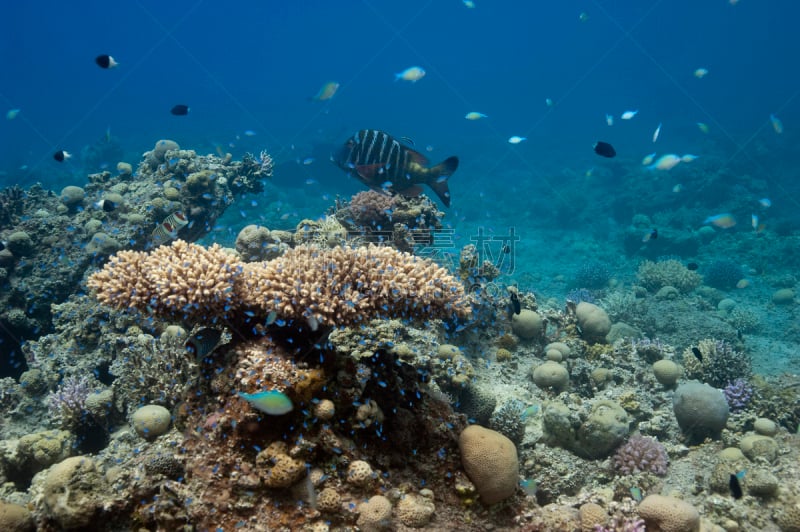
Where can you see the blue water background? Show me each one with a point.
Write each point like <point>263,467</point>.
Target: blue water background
<point>252,65</point>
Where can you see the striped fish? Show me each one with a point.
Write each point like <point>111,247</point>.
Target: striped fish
<point>384,163</point>
<point>168,229</point>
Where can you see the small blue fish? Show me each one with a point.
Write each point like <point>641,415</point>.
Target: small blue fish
<point>270,402</point>
<point>529,486</point>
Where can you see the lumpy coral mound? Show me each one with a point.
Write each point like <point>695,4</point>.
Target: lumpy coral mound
<point>336,287</point>
<point>349,286</point>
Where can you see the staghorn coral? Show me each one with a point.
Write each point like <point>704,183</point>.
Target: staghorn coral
<point>12,204</point>
<point>350,286</point>
<point>641,454</point>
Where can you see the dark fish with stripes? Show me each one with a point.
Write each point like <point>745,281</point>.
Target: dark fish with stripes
<point>386,164</point>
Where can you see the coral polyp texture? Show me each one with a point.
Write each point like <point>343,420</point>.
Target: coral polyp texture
<point>181,280</point>
<point>350,286</point>
<point>337,287</point>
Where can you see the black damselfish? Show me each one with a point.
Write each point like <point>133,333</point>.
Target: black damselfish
<point>604,149</point>
<point>692,266</point>
<point>736,488</point>
<point>696,352</point>
<point>105,61</point>
<point>385,164</point>
<point>61,155</point>
<point>180,110</point>
<point>516,307</point>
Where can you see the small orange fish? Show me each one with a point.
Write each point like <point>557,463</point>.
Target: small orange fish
<point>723,221</point>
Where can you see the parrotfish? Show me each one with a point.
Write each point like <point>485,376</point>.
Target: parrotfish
<point>270,402</point>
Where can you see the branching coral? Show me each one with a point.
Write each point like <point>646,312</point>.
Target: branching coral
<point>718,363</point>
<point>349,286</point>
<point>336,287</point>
<point>184,281</point>
<point>655,275</point>
<point>641,454</point>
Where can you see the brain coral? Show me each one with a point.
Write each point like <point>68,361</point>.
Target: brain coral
<point>490,460</point>
<point>375,514</point>
<point>336,287</point>
<point>668,514</point>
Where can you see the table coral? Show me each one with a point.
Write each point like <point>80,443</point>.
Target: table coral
<point>341,286</point>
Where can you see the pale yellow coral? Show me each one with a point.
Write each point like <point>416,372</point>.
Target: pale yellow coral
<point>349,286</point>
<point>337,287</point>
<point>182,280</point>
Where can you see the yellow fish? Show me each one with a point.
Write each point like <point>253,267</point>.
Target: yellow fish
<point>326,92</point>
<point>412,74</point>
<point>474,115</point>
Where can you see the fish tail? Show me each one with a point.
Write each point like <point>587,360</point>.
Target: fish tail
<point>438,178</point>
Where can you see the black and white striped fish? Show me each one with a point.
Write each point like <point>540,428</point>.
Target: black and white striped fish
<point>384,163</point>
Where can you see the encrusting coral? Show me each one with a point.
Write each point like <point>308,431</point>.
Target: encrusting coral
<point>338,287</point>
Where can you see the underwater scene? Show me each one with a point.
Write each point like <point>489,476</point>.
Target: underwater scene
<point>474,265</point>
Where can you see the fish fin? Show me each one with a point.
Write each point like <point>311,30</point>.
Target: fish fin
<point>438,178</point>
<point>411,192</point>
<point>368,171</point>
<point>417,157</point>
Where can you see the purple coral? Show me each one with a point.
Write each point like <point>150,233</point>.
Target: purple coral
<point>738,393</point>
<point>67,403</point>
<point>641,454</point>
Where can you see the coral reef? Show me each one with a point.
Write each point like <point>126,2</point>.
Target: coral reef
<point>738,394</point>
<point>656,275</point>
<point>592,275</point>
<point>42,263</point>
<point>398,221</point>
<point>342,286</point>
<point>723,274</point>
<point>717,364</point>
<point>641,454</point>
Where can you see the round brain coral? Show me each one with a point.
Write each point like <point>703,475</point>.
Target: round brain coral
<point>491,462</point>
<point>668,514</point>
<point>375,514</point>
<point>641,454</point>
